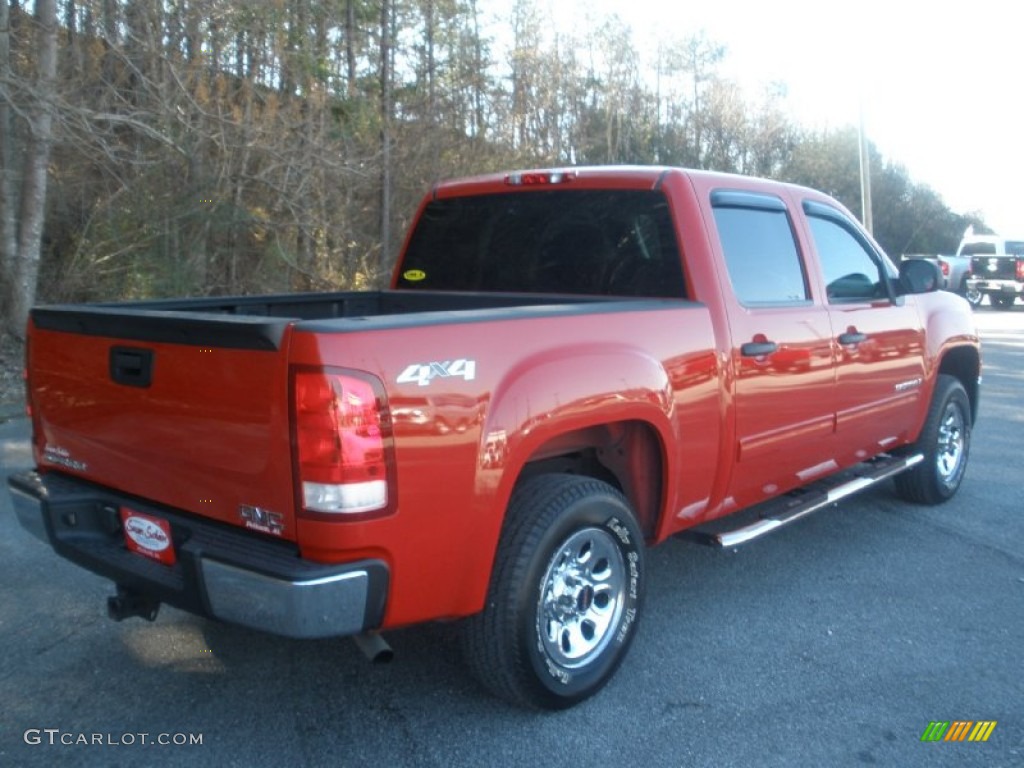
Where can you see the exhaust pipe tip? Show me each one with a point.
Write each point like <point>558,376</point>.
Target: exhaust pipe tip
<point>374,647</point>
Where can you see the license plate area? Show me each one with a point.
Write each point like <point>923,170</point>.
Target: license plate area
<point>148,536</point>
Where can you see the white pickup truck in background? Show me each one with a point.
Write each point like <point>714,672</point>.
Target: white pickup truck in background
<point>996,269</point>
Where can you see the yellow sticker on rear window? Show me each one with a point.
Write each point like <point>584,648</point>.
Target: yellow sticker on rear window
<point>414,275</point>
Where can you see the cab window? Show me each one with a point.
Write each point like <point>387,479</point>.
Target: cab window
<point>760,249</point>
<point>580,242</point>
<point>853,273</point>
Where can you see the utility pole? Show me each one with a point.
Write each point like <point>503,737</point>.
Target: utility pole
<point>865,176</point>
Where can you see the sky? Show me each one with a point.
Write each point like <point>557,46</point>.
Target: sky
<point>940,85</point>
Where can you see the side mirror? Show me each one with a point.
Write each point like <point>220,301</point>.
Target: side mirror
<point>919,276</point>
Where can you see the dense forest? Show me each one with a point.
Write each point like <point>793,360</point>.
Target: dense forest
<point>168,147</point>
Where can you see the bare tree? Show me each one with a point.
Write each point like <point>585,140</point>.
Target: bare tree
<point>386,54</point>
<point>208,146</point>
<point>28,197</point>
<point>8,172</point>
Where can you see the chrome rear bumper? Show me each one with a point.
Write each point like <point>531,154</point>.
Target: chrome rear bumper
<point>220,572</point>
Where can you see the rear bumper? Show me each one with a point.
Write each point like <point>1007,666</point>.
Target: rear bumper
<point>221,572</point>
<point>995,285</point>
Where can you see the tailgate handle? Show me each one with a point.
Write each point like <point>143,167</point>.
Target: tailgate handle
<point>131,366</point>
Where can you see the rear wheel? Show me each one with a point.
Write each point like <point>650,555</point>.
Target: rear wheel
<point>945,442</point>
<point>565,594</point>
<point>973,296</point>
<point>1002,302</point>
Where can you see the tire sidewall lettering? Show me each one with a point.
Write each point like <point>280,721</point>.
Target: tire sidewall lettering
<point>565,680</point>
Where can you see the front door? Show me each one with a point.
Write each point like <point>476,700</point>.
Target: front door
<point>879,337</point>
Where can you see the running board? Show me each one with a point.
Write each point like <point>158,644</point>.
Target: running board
<point>792,506</point>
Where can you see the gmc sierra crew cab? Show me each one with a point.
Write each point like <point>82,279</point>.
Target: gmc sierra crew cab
<point>569,366</point>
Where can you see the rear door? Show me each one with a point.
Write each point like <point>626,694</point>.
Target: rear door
<point>781,349</point>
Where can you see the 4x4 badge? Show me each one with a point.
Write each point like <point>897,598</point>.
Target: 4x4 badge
<point>423,373</point>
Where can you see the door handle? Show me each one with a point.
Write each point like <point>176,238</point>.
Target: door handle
<point>758,348</point>
<point>853,337</point>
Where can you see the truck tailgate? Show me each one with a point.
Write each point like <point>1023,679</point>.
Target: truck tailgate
<point>182,409</point>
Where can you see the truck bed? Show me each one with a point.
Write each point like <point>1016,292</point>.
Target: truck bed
<point>258,322</point>
<point>186,402</point>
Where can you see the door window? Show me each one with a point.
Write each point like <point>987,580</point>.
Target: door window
<point>852,272</point>
<point>760,250</point>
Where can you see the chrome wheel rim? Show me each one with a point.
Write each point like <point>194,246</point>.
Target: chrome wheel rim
<point>581,598</point>
<point>952,444</point>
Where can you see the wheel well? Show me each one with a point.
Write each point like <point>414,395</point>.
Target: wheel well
<point>627,455</point>
<point>965,365</point>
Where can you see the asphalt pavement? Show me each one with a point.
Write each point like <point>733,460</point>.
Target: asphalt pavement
<point>834,642</point>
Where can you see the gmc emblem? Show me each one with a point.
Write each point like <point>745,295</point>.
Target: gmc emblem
<point>259,519</point>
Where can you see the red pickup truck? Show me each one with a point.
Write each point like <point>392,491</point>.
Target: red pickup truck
<point>569,366</point>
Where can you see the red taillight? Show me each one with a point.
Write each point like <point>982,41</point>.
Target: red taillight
<point>539,178</point>
<point>944,266</point>
<point>342,443</point>
<point>1020,269</point>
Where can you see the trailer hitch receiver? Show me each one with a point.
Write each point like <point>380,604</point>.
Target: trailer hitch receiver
<point>128,603</point>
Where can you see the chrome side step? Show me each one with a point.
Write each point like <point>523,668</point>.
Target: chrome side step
<point>792,506</point>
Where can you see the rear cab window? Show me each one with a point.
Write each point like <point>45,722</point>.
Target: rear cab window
<point>990,245</point>
<point>978,249</point>
<point>588,242</point>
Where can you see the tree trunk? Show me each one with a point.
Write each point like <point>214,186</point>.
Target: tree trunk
<point>429,22</point>
<point>25,273</point>
<point>385,135</point>
<point>350,48</point>
<point>478,67</point>
<point>8,173</point>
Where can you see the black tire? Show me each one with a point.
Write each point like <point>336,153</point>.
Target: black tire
<point>565,594</point>
<point>945,442</point>
<point>974,297</point>
<point>1002,302</point>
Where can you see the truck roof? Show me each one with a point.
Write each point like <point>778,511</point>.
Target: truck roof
<point>991,238</point>
<point>638,176</point>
